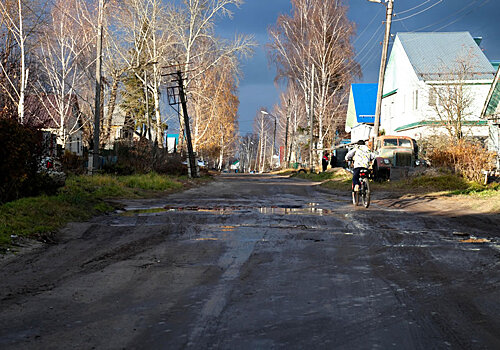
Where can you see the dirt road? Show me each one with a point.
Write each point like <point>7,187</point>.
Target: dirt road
<point>257,262</point>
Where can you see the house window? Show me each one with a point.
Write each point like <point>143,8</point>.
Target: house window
<point>415,100</point>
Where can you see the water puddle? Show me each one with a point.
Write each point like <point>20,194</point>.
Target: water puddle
<point>288,209</point>
<point>473,239</point>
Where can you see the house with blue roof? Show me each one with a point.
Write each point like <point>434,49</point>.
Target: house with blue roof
<point>361,111</point>
<point>422,63</point>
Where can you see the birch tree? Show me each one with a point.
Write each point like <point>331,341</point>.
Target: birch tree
<point>312,48</point>
<point>60,56</point>
<point>198,49</point>
<point>19,20</point>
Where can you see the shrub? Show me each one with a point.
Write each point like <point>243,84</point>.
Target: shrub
<point>142,157</point>
<point>71,163</point>
<point>20,153</point>
<point>465,157</point>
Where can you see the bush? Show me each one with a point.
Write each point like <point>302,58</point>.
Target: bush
<point>20,152</point>
<point>72,164</point>
<point>465,157</point>
<point>142,157</point>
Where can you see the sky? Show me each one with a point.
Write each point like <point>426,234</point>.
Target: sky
<point>257,88</point>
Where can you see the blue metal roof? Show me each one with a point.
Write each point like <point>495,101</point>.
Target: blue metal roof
<point>365,100</point>
<point>435,54</point>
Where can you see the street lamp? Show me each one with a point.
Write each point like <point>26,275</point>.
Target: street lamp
<point>274,139</point>
<point>383,61</point>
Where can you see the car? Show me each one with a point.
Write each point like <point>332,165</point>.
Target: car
<point>393,151</point>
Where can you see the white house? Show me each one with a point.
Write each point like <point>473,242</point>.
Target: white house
<point>419,64</point>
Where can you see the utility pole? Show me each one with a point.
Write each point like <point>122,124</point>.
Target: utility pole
<point>187,129</point>
<point>383,61</point>
<point>285,158</point>
<point>273,147</point>
<point>148,117</point>
<point>311,121</point>
<point>97,106</point>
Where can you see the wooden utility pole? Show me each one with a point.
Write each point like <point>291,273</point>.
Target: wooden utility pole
<point>191,157</point>
<point>97,106</point>
<point>383,61</point>
<point>148,117</point>
<point>285,157</point>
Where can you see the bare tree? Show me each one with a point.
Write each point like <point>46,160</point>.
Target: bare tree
<point>312,48</point>
<point>19,20</point>
<point>60,56</point>
<point>451,96</point>
<point>198,49</point>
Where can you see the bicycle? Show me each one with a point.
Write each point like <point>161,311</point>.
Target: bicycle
<point>364,189</point>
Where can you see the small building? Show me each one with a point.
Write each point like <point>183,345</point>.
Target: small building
<point>361,111</point>
<point>172,142</point>
<point>422,64</point>
<point>59,116</point>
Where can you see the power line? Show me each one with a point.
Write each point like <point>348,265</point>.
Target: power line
<point>413,8</point>
<point>450,16</point>
<point>368,25</point>
<point>418,13</point>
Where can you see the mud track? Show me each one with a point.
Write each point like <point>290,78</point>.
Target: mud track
<point>259,262</point>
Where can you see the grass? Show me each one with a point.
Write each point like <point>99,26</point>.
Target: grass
<point>81,198</point>
<point>445,183</point>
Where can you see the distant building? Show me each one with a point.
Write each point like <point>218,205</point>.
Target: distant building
<point>420,62</point>
<point>172,142</point>
<point>361,111</point>
<point>60,117</point>
<point>123,128</point>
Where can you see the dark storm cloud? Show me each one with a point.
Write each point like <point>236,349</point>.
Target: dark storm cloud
<point>479,17</point>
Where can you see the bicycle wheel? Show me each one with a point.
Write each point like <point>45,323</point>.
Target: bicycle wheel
<point>355,198</point>
<point>365,195</point>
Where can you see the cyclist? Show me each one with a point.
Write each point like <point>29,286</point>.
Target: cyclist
<point>362,157</point>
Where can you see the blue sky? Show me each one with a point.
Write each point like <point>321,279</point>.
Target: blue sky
<point>257,88</point>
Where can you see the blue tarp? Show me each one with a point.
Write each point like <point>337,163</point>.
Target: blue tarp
<point>365,100</point>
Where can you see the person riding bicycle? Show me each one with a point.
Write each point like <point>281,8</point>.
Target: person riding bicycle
<point>362,157</point>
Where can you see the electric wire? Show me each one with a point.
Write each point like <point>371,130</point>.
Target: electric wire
<point>450,16</point>
<point>418,13</point>
<point>367,26</point>
<point>413,8</point>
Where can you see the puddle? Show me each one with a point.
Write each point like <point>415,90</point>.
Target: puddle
<point>475,240</point>
<point>138,211</point>
<point>293,211</point>
<point>228,228</point>
<point>286,209</point>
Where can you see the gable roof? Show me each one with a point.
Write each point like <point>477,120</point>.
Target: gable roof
<point>433,54</point>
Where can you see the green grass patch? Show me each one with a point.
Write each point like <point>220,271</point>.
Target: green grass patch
<point>81,198</point>
<point>327,175</point>
<point>449,184</point>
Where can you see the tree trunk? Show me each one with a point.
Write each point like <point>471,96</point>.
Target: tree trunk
<point>111,107</point>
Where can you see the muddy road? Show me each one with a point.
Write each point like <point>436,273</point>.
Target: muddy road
<point>257,262</point>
